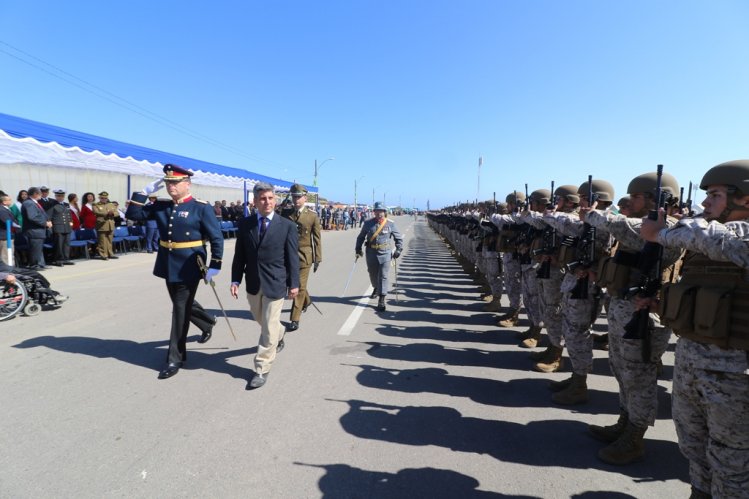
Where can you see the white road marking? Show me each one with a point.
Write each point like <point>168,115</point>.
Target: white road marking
<point>353,318</point>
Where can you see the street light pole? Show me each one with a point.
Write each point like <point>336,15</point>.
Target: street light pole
<point>317,198</point>
<point>356,206</point>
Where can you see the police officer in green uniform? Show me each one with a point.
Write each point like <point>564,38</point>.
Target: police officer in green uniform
<point>375,235</point>
<point>184,223</point>
<point>310,249</point>
<point>105,212</point>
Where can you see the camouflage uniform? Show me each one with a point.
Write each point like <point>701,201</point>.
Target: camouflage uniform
<point>510,266</point>
<point>637,379</point>
<point>550,290</point>
<point>711,384</point>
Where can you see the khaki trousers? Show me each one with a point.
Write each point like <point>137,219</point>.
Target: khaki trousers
<point>302,299</point>
<point>267,313</point>
<point>104,244</point>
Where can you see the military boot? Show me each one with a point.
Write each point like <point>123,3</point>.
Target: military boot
<point>612,432</point>
<point>558,386</point>
<point>493,306</point>
<point>626,449</point>
<point>510,319</point>
<point>575,393</point>
<point>532,337</point>
<point>552,363</point>
<point>381,304</point>
<point>542,355</point>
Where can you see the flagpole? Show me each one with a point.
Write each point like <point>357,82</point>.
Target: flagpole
<point>478,184</point>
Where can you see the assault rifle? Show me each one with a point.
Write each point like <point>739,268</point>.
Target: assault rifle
<point>650,265</point>
<point>586,251</point>
<point>549,246</point>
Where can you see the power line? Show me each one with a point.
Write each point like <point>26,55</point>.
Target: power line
<point>126,104</point>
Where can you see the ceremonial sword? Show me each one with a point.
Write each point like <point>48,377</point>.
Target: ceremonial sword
<point>350,274</point>
<point>204,271</point>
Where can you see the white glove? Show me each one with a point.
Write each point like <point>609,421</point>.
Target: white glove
<point>210,274</point>
<point>153,186</point>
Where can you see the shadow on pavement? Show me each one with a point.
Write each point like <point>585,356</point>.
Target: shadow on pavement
<point>342,481</point>
<point>552,442</point>
<point>150,355</point>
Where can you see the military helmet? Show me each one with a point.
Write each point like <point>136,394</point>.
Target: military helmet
<point>502,208</point>
<point>515,197</point>
<point>542,196</point>
<point>603,190</point>
<point>298,190</point>
<point>379,206</point>
<point>733,174</point>
<point>647,182</point>
<point>569,192</point>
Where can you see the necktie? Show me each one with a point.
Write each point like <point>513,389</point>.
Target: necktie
<point>263,226</point>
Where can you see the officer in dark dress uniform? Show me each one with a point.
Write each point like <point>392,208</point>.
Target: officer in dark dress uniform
<point>184,224</point>
<point>62,226</point>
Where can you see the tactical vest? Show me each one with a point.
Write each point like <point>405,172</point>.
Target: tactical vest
<point>710,304</point>
<point>506,240</point>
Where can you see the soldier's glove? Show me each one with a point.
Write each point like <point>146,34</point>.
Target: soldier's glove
<point>396,253</point>
<point>359,253</point>
<point>314,267</point>
<point>153,186</point>
<point>210,275</point>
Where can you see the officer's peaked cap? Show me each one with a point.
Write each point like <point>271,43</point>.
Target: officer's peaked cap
<point>176,172</point>
<point>298,190</point>
<point>379,206</point>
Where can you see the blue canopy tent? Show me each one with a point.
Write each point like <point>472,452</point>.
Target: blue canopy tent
<point>34,153</point>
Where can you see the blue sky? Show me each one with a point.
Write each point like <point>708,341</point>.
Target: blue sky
<point>405,94</point>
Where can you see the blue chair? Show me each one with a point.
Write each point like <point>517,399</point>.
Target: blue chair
<point>226,229</point>
<point>119,238</point>
<point>136,235</point>
<point>78,239</point>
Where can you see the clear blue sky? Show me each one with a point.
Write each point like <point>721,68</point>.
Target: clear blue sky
<point>407,94</point>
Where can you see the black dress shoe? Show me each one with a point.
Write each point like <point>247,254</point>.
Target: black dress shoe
<point>68,262</point>
<point>114,257</point>
<point>280,346</point>
<point>257,381</point>
<point>374,294</point>
<point>57,264</point>
<point>381,304</point>
<point>292,326</point>
<point>206,335</point>
<point>170,370</point>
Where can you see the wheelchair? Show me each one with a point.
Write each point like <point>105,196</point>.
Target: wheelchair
<point>28,295</point>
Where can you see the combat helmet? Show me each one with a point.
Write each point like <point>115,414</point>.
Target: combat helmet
<point>515,198</point>
<point>541,196</point>
<point>568,192</point>
<point>647,182</point>
<point>602,190</point>
<point>734,174</point>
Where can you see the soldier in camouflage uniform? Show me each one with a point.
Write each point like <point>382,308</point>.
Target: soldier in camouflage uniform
<point>376,232</point>
<point>711,373</point>
<point>636,378</point>
<point>511,270</point>
<point>528,278</point>
<point>580,294</point>
<point>550,360</point>
<point>492,269</point>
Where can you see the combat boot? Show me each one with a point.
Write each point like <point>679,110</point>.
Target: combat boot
<point>542,355</point>
<point>626,449</point>
<point>510,319</point>
<point>575,393</point>
<point>612,432</point>
<point>532,337</point>
<point>493,306</point>
<point>552,363</point>
<point>558,386</point>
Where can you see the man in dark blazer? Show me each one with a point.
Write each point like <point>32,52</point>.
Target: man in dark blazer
<point>35,225</point>
<point>266,255</point>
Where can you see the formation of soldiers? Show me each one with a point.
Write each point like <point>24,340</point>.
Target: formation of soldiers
<point>566,253</point>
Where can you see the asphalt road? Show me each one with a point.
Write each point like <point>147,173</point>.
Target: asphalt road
<point>428,399</point>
